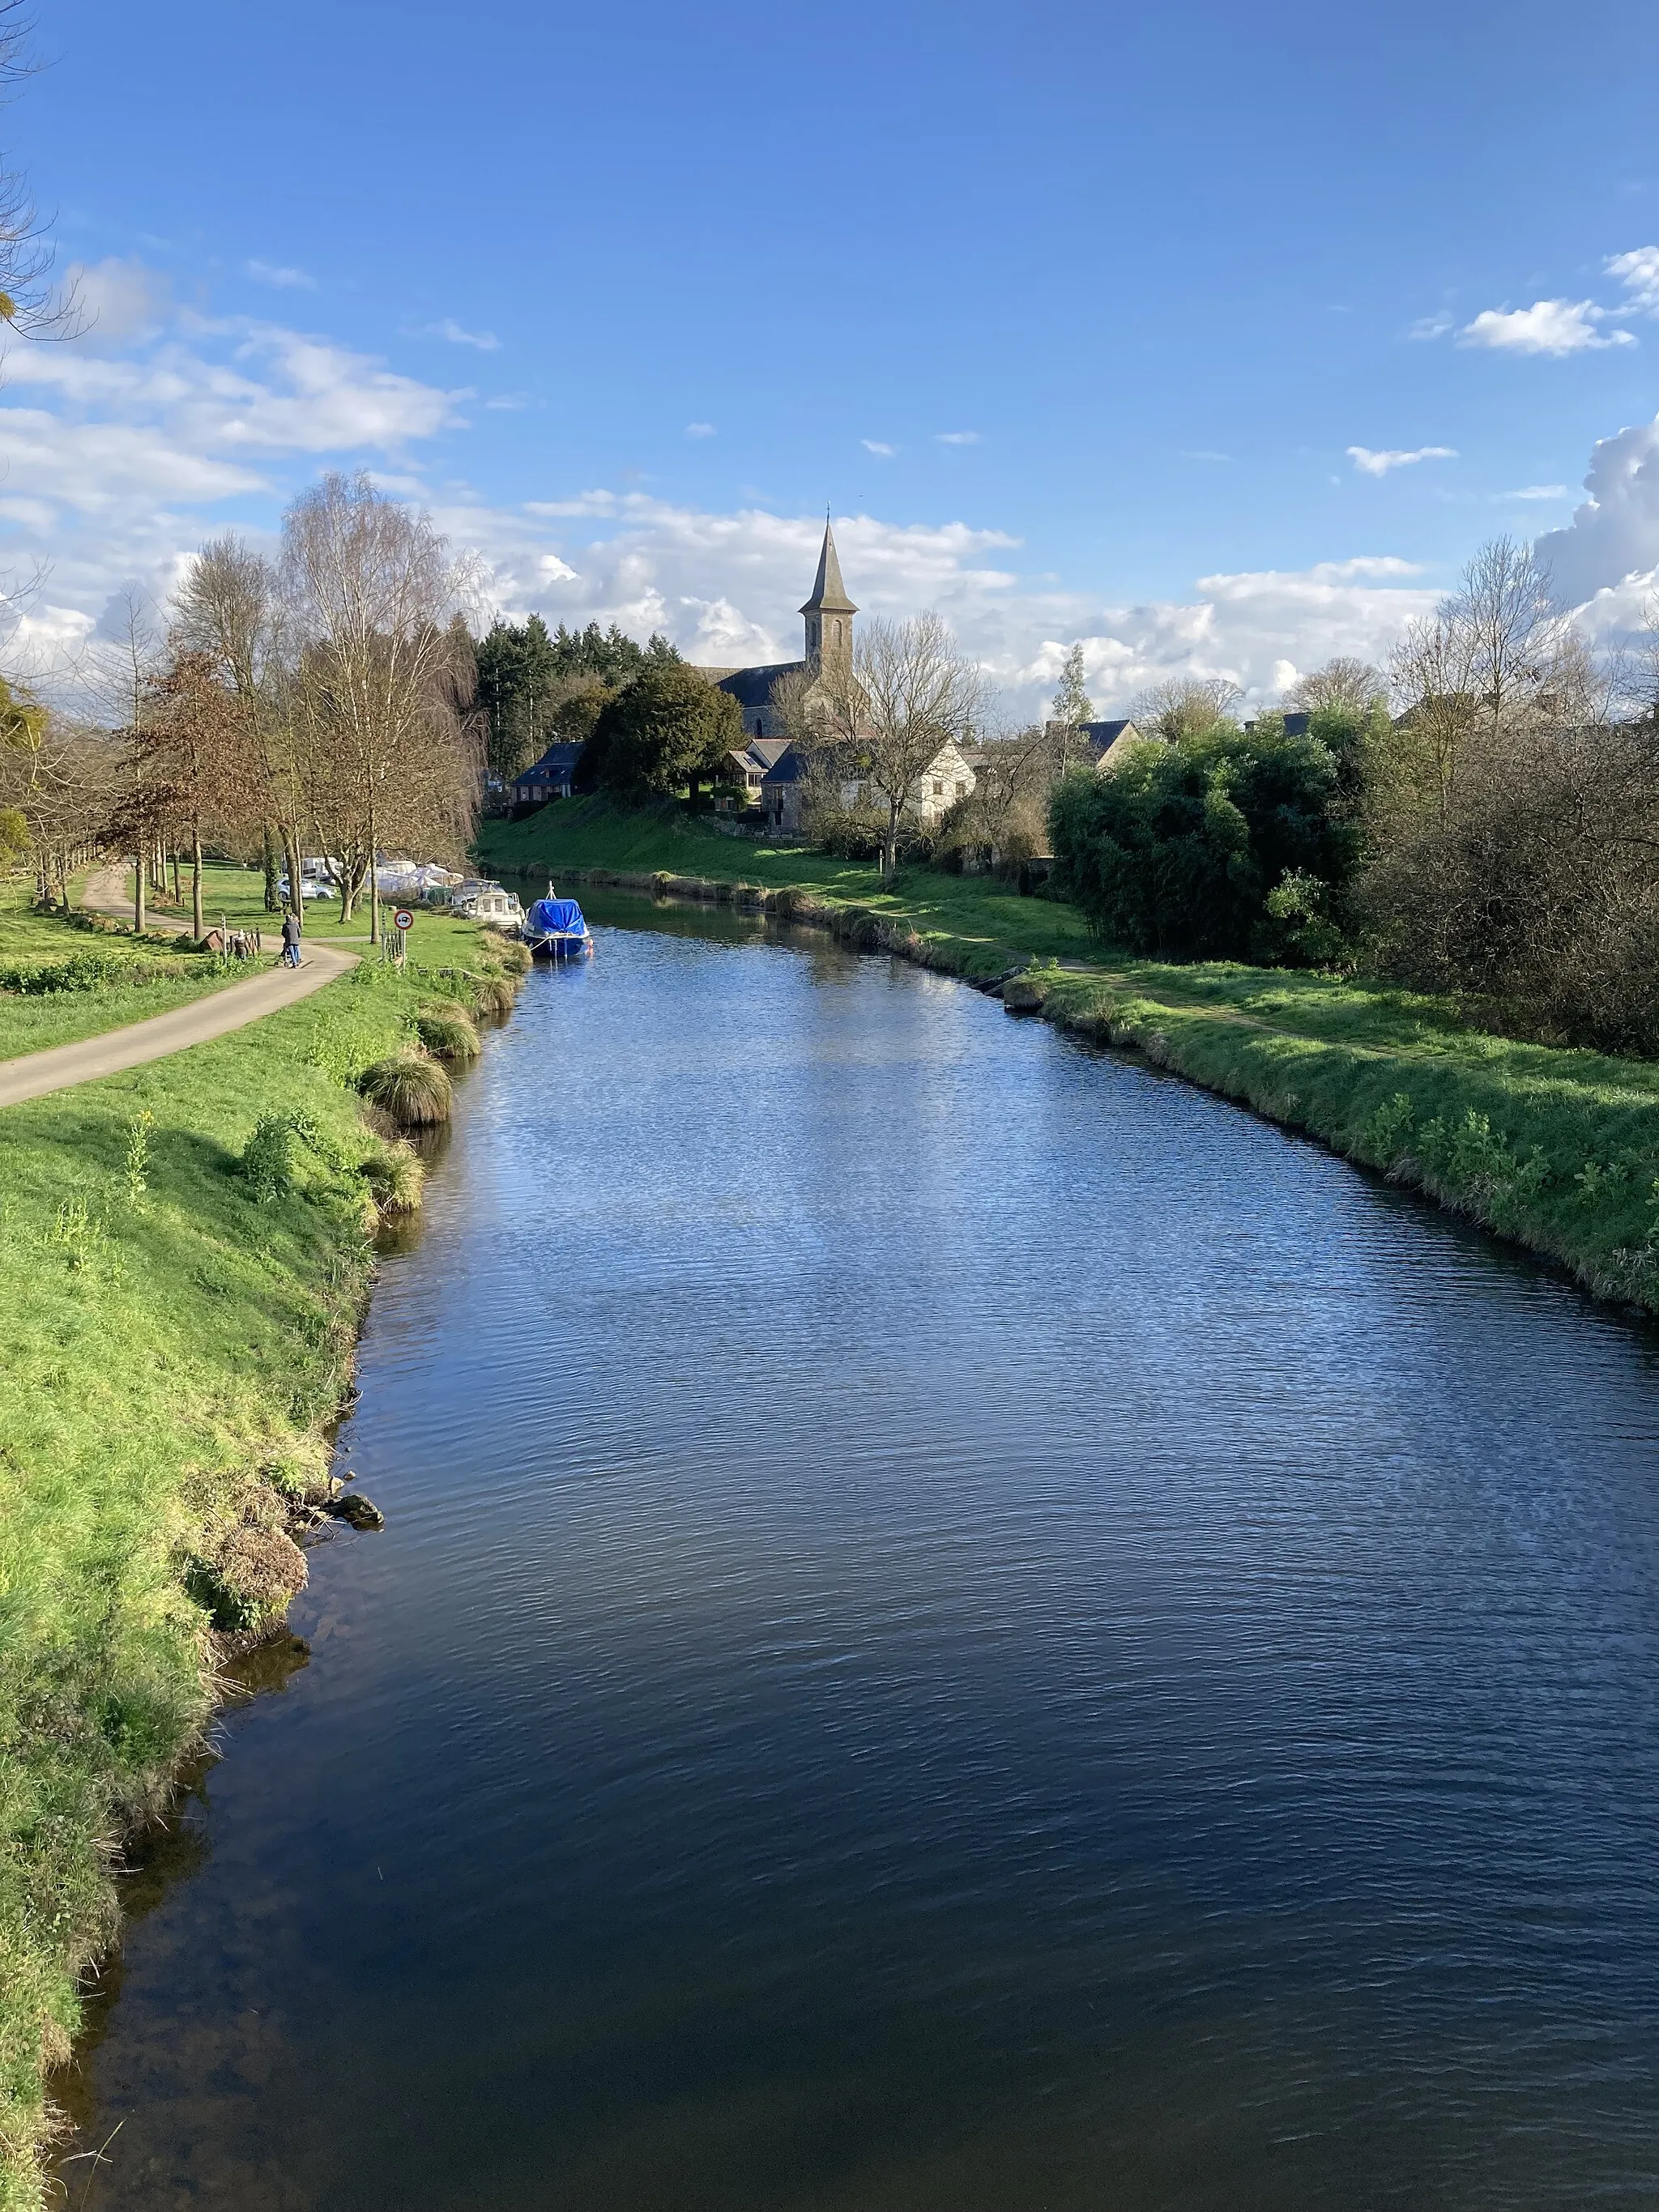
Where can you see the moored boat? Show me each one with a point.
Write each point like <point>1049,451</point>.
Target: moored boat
<point>555,929</point>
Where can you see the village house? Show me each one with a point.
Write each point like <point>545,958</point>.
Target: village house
<point>552,776</point>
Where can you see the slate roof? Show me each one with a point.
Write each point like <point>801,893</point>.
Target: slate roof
<point>1103,734</point>
<point>789,768</point>
<point>752,687</point>
<point>556,763</point>
<point>828,592</point>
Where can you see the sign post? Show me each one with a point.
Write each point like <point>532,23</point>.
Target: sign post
<point>405,921</point>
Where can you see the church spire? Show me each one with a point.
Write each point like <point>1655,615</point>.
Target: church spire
<point>828,592</point>
<point>829,613</point>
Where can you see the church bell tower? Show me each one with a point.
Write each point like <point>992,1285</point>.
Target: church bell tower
<point>829,613</point>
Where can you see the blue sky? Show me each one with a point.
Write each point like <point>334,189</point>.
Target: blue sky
<point>1109,324</point>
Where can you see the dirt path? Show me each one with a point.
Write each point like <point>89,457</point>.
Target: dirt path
<point>37,1072</point>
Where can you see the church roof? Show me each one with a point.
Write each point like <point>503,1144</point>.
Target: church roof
<point>828,592</point>
<point>752,687</point>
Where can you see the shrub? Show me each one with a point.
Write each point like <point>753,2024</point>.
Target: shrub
<point>268,1158</point>
<point>447,1032</point>
<point>410,1087</point>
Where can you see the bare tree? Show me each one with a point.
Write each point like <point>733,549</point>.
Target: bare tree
<point>1185,706</point>
<point>228,608</point>
<point>906,694</point>
<point>369,583</point>
<point>1013,773</point>
<point>1343,682</point>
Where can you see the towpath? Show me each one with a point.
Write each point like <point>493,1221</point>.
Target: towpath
<point>37,1072</point>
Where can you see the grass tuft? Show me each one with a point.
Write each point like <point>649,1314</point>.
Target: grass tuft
<point>447,1032</point>
<point>410,1087</point>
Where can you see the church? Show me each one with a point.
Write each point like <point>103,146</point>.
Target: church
<point>827,615</point>
<point>768,768</point>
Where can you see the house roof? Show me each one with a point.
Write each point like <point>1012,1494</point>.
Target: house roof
<point>828,592</point>
<point>557,760</point>
<point>789,768</point>
<point>1103,734</point>
<point>768,751</point>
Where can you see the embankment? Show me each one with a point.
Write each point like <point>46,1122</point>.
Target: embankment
<point>185,1257</point>
<point>1556,1150</point>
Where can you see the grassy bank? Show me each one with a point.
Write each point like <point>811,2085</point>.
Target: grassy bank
<point>179,1308</point>
<point>59,982</point>
<point>238,895</point>
<point>1556,1150</point>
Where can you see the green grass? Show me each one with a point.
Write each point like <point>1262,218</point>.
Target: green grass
<point>1556,1150</point>
<point>173,1343</point>
<point>150,978</point>
<point>239,894</point>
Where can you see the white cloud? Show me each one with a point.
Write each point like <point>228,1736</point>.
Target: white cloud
<point>451,332</point>
<point>118,301</point>
<point>1639,272</point>
<point>510,403</point>
<point>1548,326</point>
<point>1536,491</point>
<point>1371,464</point>
<point>1613,535</point>
<point>281,279</point>
<point>957,438</point>
<point>700,430</point>
<point>1427,327</point>
<point>880,447</point>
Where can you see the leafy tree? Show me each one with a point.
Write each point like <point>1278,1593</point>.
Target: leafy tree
<point>1072,706</point>
<point>664,730</point>
<point>537,688</point>
<point>1232,845</point>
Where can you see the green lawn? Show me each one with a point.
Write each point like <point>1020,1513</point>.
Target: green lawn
<point>134,978</point>
<point>238,895</point>
<point>172,1345</point>
<point>1557,1150</point>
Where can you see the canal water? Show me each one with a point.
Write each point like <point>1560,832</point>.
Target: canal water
<point>963,1625</point>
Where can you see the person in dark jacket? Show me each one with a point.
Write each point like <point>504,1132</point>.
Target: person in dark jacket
<point>291,940</point>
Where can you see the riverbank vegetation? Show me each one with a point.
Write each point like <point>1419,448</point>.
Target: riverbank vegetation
<point>185,1251</point>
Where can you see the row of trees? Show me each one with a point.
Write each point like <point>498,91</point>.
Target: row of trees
<point>319,700</point>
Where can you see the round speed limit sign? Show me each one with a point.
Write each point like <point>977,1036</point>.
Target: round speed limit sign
<point>404,918</point>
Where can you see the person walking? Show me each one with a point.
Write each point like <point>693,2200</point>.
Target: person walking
<point>291,940</point>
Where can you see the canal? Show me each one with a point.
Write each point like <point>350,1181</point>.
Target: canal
<point>963,1625</point>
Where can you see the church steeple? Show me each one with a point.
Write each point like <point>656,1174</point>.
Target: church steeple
<point>829,613</point>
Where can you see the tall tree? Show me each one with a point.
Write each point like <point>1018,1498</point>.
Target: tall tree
<point>192,739</point>
<point>660,734</point>
<point>906,693</point>
<point>1071,707</point>
<point>370,586</point>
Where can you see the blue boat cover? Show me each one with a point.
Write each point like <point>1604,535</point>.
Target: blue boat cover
<point>564,915</point>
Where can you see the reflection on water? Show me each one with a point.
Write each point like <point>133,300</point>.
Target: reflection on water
<point>963,1625</point>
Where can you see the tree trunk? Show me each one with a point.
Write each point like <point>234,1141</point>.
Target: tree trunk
<point>272,869</point>
<point>196,882</point>
<point>374,881</point>
<point>140,865</point>
<point>178,896</point>
<point>292,855</point>
<point>890,843</point>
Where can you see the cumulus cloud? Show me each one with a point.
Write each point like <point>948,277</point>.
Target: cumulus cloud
<point>1370,463</point>
<point>118,463</point>
<point>1613,535</point>
<point>451,333</point>
<point>279,278</point>
<point>1548,326</point>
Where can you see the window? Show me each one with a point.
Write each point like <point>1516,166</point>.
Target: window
<point>961,791</point>
<point>939,788</point>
